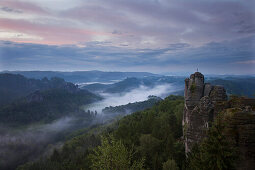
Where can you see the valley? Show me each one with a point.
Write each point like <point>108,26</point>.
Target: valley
<point>39,116</point>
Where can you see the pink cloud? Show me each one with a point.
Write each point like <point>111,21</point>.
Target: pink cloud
<point>24,6</point>
<point>50,34</point>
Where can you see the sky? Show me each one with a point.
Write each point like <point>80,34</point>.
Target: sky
<point>159,36</point>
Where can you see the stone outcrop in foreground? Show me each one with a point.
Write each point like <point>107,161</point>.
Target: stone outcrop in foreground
<point>202,104</point>
<point>199,109</point>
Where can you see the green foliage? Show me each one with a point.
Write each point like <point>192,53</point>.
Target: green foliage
<point>72,156</point>
<point>13,86</point>
<point>216,152</point>
<point>155,133</point>
<point>193,87</point>
<point>170,164</point>
<point>151,137</point>
<point>143,139</point>
<point>235,101</point>
<point>56,103</point>
<point>148,144</point>
<point>112,154</point>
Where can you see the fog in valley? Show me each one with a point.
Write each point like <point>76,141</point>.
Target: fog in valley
<point>26,144</point>
<point>34,141</point>
<point>135,95</point>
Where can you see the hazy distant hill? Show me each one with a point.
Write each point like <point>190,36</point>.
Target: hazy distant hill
<point>34,100</point>
<point>82,76</point>
<point>132,107</point>
<point>13,86</point>
<point>237,86</point>
<point>131,83</point>
<point>35,113</point>
<point>46,106</point>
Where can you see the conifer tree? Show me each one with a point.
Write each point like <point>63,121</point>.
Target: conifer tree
<point>216,152</point>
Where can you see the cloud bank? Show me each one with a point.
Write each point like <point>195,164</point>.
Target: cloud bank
<point>143,23</point>
<point>146,35</point>
<point>226,57</point>
<point>135,95</point>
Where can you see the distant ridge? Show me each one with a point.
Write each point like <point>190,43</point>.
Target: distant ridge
<point>82,76</point>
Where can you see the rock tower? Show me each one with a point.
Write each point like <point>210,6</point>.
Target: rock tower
<point>199,110</point>
<point>202,104</point>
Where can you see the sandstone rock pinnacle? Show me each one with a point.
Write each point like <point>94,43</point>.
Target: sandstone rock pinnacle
<point>199,110</point>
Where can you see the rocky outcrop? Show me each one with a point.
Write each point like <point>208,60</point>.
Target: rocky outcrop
<point>199,111</point>
<point>35,97</point>
<point>203,102</point>
<point>241,128</point>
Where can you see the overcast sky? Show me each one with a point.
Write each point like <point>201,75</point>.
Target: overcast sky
<point>216,36</point>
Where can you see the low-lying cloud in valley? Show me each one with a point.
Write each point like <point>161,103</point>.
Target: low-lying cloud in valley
<point>27,144</point>
<point>32,142</point>
<point>135,95</point>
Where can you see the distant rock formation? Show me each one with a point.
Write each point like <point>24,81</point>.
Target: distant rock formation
<point>35,97</point>
<point>203,102</point>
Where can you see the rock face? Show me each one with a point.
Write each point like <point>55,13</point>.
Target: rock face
<point>199,111</point>
<point>202,104</point>
<point>241,128</point>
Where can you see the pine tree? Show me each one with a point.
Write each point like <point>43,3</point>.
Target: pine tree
<point>216,152</point>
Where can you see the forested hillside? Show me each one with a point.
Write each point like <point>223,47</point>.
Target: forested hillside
<point>14,86</point>
<point>153,136</point>
<point>37,114</point>
<point>46,106</point>
<point>24,101</point>
<point>149,139</point>
<point>132,107</point>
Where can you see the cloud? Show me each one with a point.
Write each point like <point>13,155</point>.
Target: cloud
<point>23,6</point>
<point>131,24</point>
<point>31,142</point>
<point>214,57</point>
<point>135,95</point>
<point>49,34</point>
<point>144,35</point>
<point>7,9</point>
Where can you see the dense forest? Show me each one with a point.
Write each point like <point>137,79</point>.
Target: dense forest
<point>13,87</point>
<point>35,114</point>
<point>149,139</point>
<point>25,101</point>
<point>142,135</point>
<point>53,104</point>
<point>61,134</point>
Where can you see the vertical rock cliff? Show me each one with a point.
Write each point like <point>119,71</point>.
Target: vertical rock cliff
<point>199,109</point>
<point>202,104</point>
